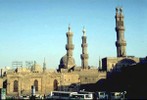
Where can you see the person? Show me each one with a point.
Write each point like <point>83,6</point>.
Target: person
<point>44,96</point>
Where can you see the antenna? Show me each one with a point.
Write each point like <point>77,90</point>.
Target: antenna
<point>29,64</point>
<point>16,64</point>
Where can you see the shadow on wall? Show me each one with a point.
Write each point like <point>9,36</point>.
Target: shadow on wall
<point>123,63</point>
<point>131,79</point>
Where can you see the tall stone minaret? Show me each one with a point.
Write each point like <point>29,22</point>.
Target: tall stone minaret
<point>84,55</point>
<point>69,48</point>
<point>67,62</point>
<point>120,43</point>
<point>44,65</point>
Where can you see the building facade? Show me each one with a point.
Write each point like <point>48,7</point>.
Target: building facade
<point>19,82</point>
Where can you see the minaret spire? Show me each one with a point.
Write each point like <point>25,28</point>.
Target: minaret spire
<point>84,31</point>
<point>44,65</point>
<point>120,43</point>
<point>69,28</point>
<point>84,55</point>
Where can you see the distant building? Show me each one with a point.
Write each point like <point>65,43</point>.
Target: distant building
<point>143,60</point>
<point>116,63</point>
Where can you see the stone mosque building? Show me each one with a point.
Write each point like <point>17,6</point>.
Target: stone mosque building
<point>122,60</point>
<point>68,77</point>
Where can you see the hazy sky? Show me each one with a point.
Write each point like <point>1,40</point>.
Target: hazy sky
<point>33,29</point>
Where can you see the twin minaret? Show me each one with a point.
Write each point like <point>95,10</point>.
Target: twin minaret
<point>67,61</point>
<point>120,43</point>
<point>84,55</point>
<point>70,47</point>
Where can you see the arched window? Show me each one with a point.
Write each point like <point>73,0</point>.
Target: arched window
<point>36,85</point>
<point>15,87</point>
<point>55,85</point>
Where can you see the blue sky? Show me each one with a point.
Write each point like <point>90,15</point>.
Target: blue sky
<point>33,29</point>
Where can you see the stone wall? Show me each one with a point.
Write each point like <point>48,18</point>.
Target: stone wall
<point>1,83</point>
<point>110,63</point>
<point>49,81</point>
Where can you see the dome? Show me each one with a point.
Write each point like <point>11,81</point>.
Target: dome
<point>124,63</point>
<point>64,61</point>
<point>36,68</point>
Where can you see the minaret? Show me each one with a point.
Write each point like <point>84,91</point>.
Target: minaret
<point>84,55</point>
<point>100,65</point>
<point>44,65</point>
<point>67,62</point>
<point>120,43</point>
<point>69,48</point>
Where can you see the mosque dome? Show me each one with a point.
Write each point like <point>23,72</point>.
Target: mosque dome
<point>67,60</point>
<point>37,68</point>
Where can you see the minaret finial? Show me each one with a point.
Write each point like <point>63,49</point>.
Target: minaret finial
<point>44,59</point>
<point>84,31</point>
<point>117,9</point>
<point>69,28</point>
<point>121,9</point>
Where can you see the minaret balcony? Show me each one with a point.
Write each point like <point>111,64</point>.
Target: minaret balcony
<point>84,56</point>
<point>69,47</point>
<point>119,28</point>
<point>84,45</point>
<point>120,43</point>
<point>68,34</point>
